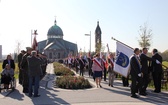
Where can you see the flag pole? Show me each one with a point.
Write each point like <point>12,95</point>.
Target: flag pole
<point>121,42</point>
<point>31,37</point>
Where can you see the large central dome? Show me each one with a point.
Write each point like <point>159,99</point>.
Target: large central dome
<point>55,31</point>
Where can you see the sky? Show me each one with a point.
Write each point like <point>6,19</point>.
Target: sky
<point>120,19</point>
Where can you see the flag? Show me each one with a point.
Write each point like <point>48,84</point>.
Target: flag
<point>34,45</point>
<point>122,63</point>
<point>107,56</point>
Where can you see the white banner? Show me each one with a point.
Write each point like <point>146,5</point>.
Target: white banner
<point>122,62</point>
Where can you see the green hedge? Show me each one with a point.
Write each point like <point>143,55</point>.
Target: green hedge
<point>60,70</point>
<point>72,82</point>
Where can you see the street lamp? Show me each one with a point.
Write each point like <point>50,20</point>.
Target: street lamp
<point>90,39</point>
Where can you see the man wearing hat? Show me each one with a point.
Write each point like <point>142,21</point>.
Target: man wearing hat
<point>24,67</point>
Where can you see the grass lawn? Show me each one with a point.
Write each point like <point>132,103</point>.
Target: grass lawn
<point>165,63</point>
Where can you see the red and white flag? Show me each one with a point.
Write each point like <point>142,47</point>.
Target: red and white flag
<point>34,45</point>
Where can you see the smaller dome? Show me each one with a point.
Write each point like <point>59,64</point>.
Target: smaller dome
<point>55,31</point>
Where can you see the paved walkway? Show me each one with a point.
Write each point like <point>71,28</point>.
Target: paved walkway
<point>117,95</point>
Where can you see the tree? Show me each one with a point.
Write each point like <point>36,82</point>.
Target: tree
<point>17,50</point>
<point>165,55</point>
<point>145,36</point>
<point>18,47</point>
<point>100,47</point>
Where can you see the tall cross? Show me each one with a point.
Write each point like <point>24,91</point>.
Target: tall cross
<point>35,32</point>
<point>55,20</point>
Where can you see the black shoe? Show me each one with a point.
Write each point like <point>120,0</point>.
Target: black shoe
<point>30,95</point>
<point>109,84</point>
<point>100,86</point>
<point>25,91</point>
<point>143,94</point>
<point>134,96</point>
<point>146,93</point>
<point>112,86</point>
<point>36,95</point>
<point>156,91</point>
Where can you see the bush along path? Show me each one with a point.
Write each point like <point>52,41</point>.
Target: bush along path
<point>67,79</point>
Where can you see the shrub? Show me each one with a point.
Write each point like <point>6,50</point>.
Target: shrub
<point>72,82</point>
<point>60,70</point>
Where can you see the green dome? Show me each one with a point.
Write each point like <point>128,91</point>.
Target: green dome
<point>55,31</point>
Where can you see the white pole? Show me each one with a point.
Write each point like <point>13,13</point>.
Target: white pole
<point>31,37</point>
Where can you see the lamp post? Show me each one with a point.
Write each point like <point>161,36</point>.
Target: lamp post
<point>90,39</point>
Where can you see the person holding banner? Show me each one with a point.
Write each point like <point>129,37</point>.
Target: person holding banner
<point>111,74</point>
<point>97,68</point>
<point>136,74</point>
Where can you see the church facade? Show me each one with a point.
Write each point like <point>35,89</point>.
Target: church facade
<point>55,47</point>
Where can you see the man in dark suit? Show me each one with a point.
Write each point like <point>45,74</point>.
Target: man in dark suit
<point>144,62</point>
<point>104,66</point>
<point>157,70</point>
<point>76,63</point>
<point>9,61</point>
<point>34,71</point>
<point>24,67</point>
<point>82,63</point>
<point>136,74</point>
<point>89,66</point>
<point>19,61</point>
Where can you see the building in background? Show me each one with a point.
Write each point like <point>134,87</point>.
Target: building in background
<point>0,52</point>
<point>98,38</point>
<point>55,47</point>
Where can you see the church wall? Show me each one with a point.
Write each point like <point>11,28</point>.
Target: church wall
<point>55,54</point>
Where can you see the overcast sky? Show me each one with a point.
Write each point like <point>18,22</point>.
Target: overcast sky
<point>120,19</point>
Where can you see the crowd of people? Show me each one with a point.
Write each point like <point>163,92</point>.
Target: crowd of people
<point>142,68</point>
<point>96,65</point>
<point>32,67</point>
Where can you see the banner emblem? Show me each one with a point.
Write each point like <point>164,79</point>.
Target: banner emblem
<point>122,60</point>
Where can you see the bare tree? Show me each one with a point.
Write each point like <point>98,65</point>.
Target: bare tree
<point>145,36</point>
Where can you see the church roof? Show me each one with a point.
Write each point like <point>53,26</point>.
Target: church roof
<point>55,31</point>
<point>57,44</point>
<point>70,45</point>
<point>98,30</point>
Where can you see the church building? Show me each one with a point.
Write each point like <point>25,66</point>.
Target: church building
<point>98,40</point>
<point>55,47</point>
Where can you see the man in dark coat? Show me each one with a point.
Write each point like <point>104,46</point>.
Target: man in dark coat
<point>34,71</point>
<point>144,62</point>
<point>24,67</point>
<point>20,70</point>
<point>135,72</point>
<point>76,64</point>
<point>82,63</point>
<point>157,70</point>
<point>9,61</point>
<point>44,63</point>
<point>89,66</point>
